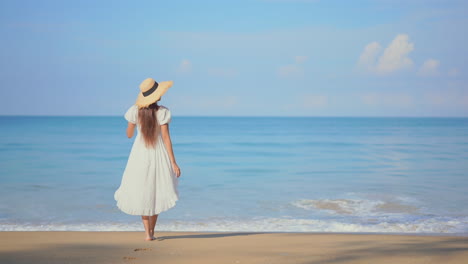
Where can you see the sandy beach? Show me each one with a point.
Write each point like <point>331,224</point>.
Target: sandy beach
<point>228,247</point>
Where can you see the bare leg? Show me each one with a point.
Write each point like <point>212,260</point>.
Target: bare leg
<point>146,223</point>
<point>152,221</point>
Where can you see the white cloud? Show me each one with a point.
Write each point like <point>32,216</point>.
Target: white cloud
<point>314,101</point>
<point>291,70</point>
<point>369,56</point>
<point>185,66</point>
<point>218,102</point>
<point>228,101</point>
<point>387,99</point>
<point>453,72</point>
<point>438,98</point>
<point>370,99</point>
<point>210,103</point>
<point>300,59</point>
<point>464,100</point>
<point>393,59</point>
<point>445,98</point>
<point>395,55</point>
<point>429,68</point>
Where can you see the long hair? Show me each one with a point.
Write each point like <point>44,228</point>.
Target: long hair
<point>149,125</point>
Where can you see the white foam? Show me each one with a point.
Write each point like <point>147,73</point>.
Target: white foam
<point>356,207</point>
<point>430,225</point>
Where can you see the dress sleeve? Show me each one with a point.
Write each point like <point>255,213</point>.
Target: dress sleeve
<point>165,116</point>
<point>131,114</point>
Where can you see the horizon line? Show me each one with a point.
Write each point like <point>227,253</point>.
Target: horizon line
<point>242,116</point>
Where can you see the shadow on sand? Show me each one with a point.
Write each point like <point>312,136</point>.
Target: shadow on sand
<point>419,251</point>
<point>214,235</point>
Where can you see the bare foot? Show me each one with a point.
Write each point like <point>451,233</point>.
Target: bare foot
<point>149,238</point>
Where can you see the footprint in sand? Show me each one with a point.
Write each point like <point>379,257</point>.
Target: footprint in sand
<point>129,258</point>
<point>142,249</point>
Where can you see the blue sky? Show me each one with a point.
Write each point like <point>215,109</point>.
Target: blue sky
<point>236,58</point>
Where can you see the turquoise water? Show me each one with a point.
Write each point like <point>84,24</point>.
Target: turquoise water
<point>296,174</point>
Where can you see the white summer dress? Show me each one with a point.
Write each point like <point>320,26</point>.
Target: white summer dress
<point>149,184</point>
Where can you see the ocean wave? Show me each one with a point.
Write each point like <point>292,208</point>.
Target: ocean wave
<point>357,207</point>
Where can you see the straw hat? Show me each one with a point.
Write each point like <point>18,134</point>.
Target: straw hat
<point>151,91</point>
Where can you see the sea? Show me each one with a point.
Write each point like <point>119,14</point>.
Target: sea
<point>244,174</point>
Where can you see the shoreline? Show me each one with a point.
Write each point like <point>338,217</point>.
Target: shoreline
<point>264,232</point>
<point>228,247</point>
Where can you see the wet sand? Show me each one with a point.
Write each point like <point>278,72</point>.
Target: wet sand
<point>228,247</point>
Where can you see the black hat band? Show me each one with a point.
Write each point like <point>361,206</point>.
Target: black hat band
<point>150,91</point>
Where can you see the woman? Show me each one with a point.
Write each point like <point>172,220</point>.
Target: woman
<point>150,180</point>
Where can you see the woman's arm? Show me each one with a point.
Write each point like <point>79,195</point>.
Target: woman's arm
<point>167,142</point>
<point>130,129</point>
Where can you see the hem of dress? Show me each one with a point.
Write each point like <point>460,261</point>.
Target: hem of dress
<point>140,211</point>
